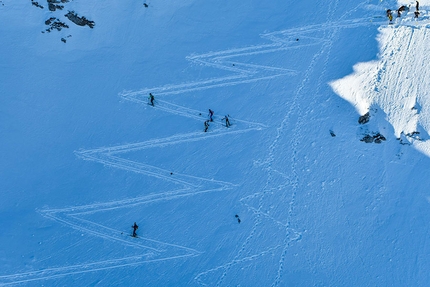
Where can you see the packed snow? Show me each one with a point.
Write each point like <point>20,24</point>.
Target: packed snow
<point>296,192</point>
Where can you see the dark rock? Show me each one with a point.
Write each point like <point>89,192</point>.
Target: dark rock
<point>54,23</point>
<point>367,139</point>
<point>377,138</point>
<point>53,5</point>
<point>364,118</point>
<point>36,4</point>
<point>81,21</point>
<point>50,20</point>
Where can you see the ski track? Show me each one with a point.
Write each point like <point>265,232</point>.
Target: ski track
<point>291,234</point>
<point>243,73</point>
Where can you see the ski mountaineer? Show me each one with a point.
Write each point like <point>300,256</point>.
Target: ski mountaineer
<point>135,227</point>
<point>390,15</point>
<point>400,10</point>
<point>211,114</point>
<point>151,99</point>
<point>417,9</point>
<point>227,121</point>
<point>238,219</point>
<point>206,125</point>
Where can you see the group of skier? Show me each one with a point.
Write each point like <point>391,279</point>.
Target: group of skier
<point>151,101</point>
<point>210,115</point>
<point>402,9</point>
<point>226,120</point>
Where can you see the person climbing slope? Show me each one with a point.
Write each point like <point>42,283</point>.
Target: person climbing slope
<point>390,15</point>
<point>206,125</point>
<point>211,114</point>
<point>151,99</point>
<point>227,121</point>
<point>135,227</point>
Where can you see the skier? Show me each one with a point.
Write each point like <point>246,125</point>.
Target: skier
<point>151,99</point>
<point>135,227</point>
<point>390,15</point>
<point>211,114</point>
<point>227,121</point>
<point>400,10</point>
<point>206,125</point>
<point>417,9</point>
<point>238,219</point>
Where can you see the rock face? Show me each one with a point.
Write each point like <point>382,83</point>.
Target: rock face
<point>364,118</point>
<point>34,3</point>
<point>55,23</point>
<point>54,4</point>
<point>376,138</point>
<point>81,21</point>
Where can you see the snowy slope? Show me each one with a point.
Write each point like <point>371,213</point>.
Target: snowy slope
<point>84,156</point>
<point>398,82</point>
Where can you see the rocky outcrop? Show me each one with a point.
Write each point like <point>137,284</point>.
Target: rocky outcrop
<point>376,138</point>
<point>55,24</point>
<point>81,21</point>
<point>55,4</point>
<point>364,118</point>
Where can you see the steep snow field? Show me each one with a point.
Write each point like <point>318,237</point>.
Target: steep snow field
<point>83,156</point>
<point>398,82</point>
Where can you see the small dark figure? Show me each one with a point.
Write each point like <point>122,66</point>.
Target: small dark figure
<point>211,114</point>
<point>135,227</point>
<point>206,125</point>
<point>417,14</point>
<point>417,7</point>
<point>146,5</point>
<point>238,219</point>
<point>390,15</point>
<point>400,10</point>
<point>151,99</point>
<point>227,121</point>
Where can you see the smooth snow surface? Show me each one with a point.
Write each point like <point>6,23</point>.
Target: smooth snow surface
<point>83,156</point>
